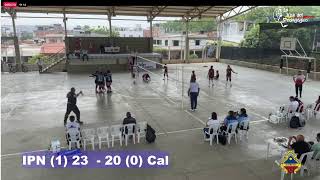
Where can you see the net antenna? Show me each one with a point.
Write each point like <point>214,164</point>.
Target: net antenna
<point>288,46</point>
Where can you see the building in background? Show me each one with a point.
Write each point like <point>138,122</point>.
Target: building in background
<point>234,31</point>
<point>136,31</point>
<point>174,44</point>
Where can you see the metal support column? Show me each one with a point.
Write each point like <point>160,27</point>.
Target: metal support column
<point>182,87</point>
<point>218,47</point>
<point>110,27</point>
<point>287,64</point>
<point>65,34</point>
<point>151,30</point>
<point>315,69</point>
<point>186,51</point>
<point>13,15</point>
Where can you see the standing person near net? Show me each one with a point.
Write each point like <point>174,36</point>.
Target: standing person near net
<point>299,79</point>
<point>193,93</point>
<point>229,71</point>
<point>108,77</point>
<point>210,75</point>
<point>72,105</point>
<point>165,71</point>
<point>193,76</point>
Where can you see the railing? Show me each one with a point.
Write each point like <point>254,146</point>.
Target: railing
<point>54,59</point>
<point>58,55</point>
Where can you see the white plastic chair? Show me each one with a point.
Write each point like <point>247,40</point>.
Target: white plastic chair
<point>129,130</point>
<point>88,136</point>
<point>141,129</point>
<point>116,130</point>
<point>307,165</point>
<point>282,172</point>
<point>74,137</point>
<point>245,130</point>
<point>311,112</point>
<point>278,116</point>
<point>215,133</point>
<point>103,133</point>
<point>233,127</point>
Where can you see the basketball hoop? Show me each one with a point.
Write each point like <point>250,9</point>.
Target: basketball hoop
<point>288,46</point>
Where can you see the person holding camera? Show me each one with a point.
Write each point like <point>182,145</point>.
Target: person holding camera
<point>72,105</point>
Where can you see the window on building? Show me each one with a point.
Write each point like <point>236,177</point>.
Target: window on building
<point>154,41</point>
<point>166,42</point>
<point>241,26</point>
<point>197,42</point>
<point>175,43</point>
<point>159,42</point>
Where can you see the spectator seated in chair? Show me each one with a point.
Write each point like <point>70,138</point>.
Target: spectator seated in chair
<point>316,148</point>
<point>301,105</point>
<point>213,120</point>
<point>129,120</point>
<point>231,118</point>
<point>300,146</point>
<point>292,107</point>
<point>72,128</point>
<point>317,106</point>
<point>242,117</point>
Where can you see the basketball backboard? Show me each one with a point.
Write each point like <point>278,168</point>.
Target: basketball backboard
<point>288,43</point>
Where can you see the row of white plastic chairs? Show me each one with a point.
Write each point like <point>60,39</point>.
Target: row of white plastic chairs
<point>103,133</point>
<point>307,113</point>
<point>214,131</point>
<point>308,164</point>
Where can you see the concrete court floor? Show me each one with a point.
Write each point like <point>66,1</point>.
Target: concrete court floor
<point>33,107</point>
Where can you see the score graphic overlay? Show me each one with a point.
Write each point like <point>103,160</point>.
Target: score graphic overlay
<point>99,159</point>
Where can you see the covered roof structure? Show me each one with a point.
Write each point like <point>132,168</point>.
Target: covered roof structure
<point>187,13</point>
<point>150,11</point>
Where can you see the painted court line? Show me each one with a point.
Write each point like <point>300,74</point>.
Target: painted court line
<point>195,117</point>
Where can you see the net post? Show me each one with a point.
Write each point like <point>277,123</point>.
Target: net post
<point>287,65</point>
<point>182,88</point>
<point>315,69</point>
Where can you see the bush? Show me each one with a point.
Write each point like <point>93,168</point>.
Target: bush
<point>34,59</point>
<point>193,56</point>
<point>160,50</point>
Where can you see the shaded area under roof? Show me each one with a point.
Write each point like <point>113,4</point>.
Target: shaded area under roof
<point>149,11</point>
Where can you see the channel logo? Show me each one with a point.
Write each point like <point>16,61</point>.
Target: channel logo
<point>9,4</point>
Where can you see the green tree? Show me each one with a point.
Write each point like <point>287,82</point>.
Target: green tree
<point>26,36</point>
<point>251,39</point>
<point>195,25</point>
<point>271,38</point>
<point>103,30</point>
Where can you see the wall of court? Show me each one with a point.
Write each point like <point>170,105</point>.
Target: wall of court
<point>126,44</point>
<point>267,67</point>
<point>265,56</point>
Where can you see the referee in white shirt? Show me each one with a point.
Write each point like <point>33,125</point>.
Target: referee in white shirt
<point>193,92</point>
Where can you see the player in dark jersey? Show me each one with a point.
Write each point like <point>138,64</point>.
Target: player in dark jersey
<point>96,79</point>
<point>165,72</point>
<point>146,77</point>
<point>108,77</point>
<point>193,76</point>
<point>229,71</point>
<point>101,83</point>
<point>217,75</point>
<point>210,75</point>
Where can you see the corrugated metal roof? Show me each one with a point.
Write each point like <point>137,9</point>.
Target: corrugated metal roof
<point>151,11</point>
